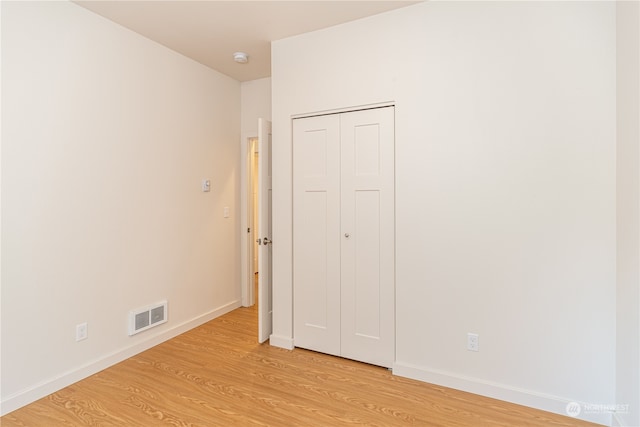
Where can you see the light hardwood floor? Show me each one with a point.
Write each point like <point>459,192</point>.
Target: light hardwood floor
<point>217,375</point>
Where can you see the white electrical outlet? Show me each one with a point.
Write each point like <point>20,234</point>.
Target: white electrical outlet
<point>473,342</point>
<point>81,331</point>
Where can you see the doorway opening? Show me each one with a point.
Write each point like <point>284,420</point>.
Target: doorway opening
<point>252,220</point>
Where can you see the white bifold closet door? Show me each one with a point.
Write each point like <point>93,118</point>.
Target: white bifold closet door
<point>344,234</point>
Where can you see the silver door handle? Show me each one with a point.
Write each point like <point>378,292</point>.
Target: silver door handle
<point>267,241</point>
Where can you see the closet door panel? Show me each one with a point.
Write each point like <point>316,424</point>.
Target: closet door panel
<point>316,233</point>
<point>368,236</point>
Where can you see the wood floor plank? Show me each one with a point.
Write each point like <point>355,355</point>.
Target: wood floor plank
<point>218,375</point>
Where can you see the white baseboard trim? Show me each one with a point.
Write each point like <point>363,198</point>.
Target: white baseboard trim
<point>280,341</point>
<point>619,421</point>
<point>532,399</point>
<point>45,388</point>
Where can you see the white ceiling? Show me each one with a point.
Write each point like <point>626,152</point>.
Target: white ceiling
<point>211,31</point>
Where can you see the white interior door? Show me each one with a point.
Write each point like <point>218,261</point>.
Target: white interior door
<point>368,236</point>
<point>265,299</point>
<point>316,233</point>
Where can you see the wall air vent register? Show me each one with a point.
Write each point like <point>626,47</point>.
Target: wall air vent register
<point>147,317</point>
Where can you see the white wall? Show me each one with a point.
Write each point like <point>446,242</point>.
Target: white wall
<point>505,187</point>
<point>255,103</point>
<point>628,213</point>
<point>105,139</point>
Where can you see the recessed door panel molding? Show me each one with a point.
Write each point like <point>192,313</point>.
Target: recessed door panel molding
<point>314,163</point>
<point>367,149</point>
<point>315,258</point>
<point>366,277</point>
<point>344,234</point>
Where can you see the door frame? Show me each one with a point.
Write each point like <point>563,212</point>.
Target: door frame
<point>343,110</point>
<point>246,206</point>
